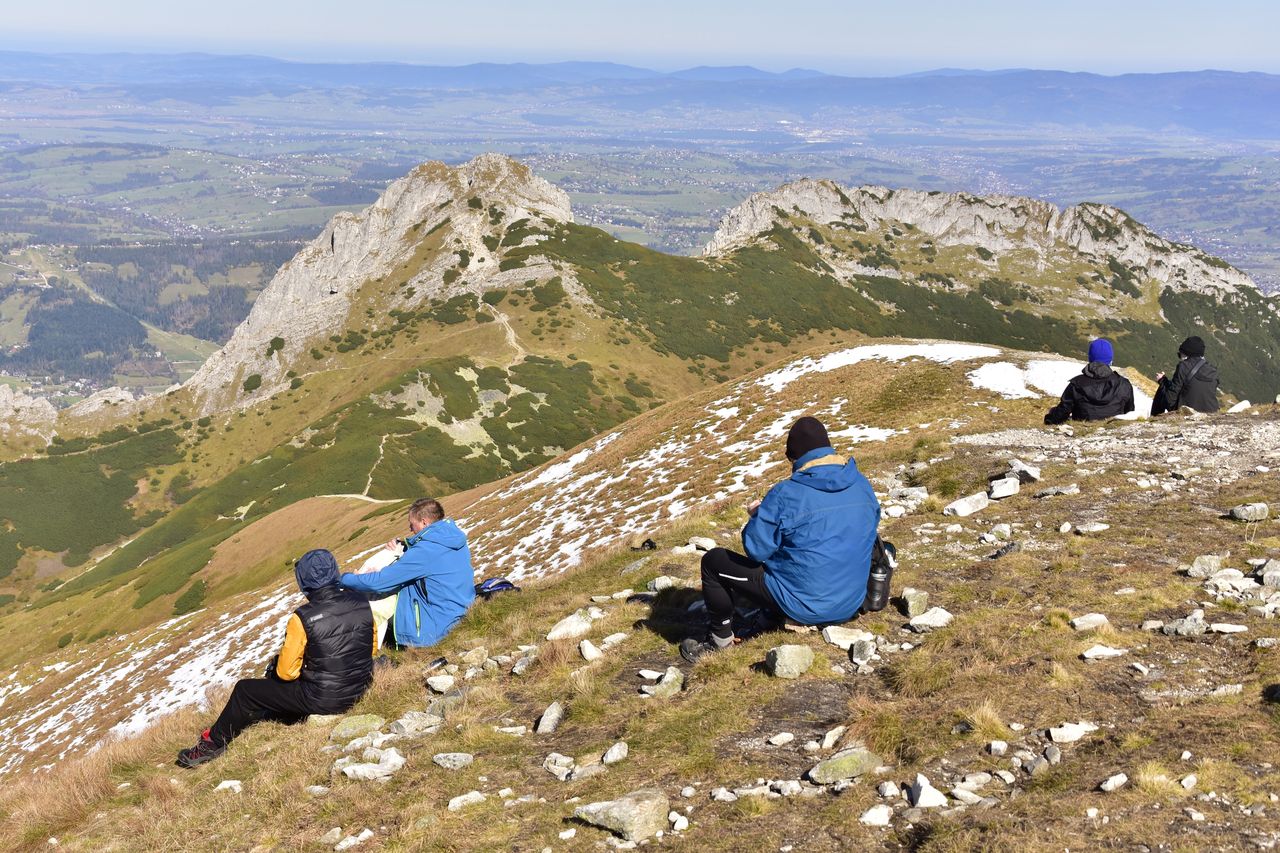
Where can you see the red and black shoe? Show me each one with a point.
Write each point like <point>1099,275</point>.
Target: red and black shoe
<point>205,750</point>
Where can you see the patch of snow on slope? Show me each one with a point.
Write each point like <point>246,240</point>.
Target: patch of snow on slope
<point>940,352</point>
<point>1042,377</point>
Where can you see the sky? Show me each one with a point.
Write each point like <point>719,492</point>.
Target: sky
<point>850,37</point>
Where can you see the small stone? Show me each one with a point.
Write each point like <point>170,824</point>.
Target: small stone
<point>232,785</point>
<point>331,837</point>
<point>476,656</point>
<point>317,790</point>
<point>782,739</point>
<point>889,790</point>
<point>1266,642</point>
<point>914,601</point>
<point>522,665</point>
<point>844,637</point>
<point>441,683</point>
<point>965,507</point>
<point>570,627</point>
<point>976,781</point>
<point>1101,652</point>
<point>895,511</point>
<point>861,652</point>
<point>878,815</point>
<point>1152,624</point>
<point>356,725</point>
<point>415,723</point>
<point>453,760</point>
<point>1091,527</point>
<point>569,833</point>
<point>787,787</point>
<point>1065,527</point>
<point>997,747</point>
<point>662,582</point>
<point>702,543</point>
<point>679,822</point>
<point>1140,668</point>
<point>1002,531</point>
<point>589,651</point>
<point>550,719</point>
<point>559,766</point>
<point>1206,565</point>
<point>1055,491</point>
<point>1089,622</point>
<point>1192,625</point>
<point>688,791</point>
<point>846,764</point>
<point>671,683</point>
<point>1227,690</point>
<point>1251,512</point>
<point>1052,754</point>
<point>613,640</point>
<point>1036,766</point>
<point>930,620</point>
<point>616,753</point>
<point>953,528</point>
<point>635,816</point>
<point>964,795</point>
<point>723,795</point>
<point>470,798</point>
<point>1189,781</point>
<point>1186,755</point>
<point>924,796</point>
<point>1071,732</point>
<point>1227,628</point>
<point>1193,814</point>
<point>1113,783</point>
<point>649,674</point>
<point>1006,777</point>
<point>1024,472</point>
<point>832,737</point>
<point>1005,488</point>
<point>788,661</point>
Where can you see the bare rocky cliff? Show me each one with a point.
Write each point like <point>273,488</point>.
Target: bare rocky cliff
<point>995,223</point>
<point>312,295</point>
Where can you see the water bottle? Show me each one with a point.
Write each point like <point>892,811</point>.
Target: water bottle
<point>883,562</point>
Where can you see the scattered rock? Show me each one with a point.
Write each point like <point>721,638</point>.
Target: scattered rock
<point>1024,472</point>
<point>379,765</point>
<point>1089,622</point>
<point>1251,512</point>
<point>832,737</point>
<point>1192,625</point>
<point>914,602</point>
<point>415,723</point>
<point>964,795</point>
<point>1091,527</point>
<point>612,640</point>
<point>702,543</point>
<point>354,840</point>
<point>1101,652</point>
<point>888,790</point>
<point>788,661</point>
<point>845,764</point>
<point>1071,732</point>
<point>1227,628</point>
<point>589,651</point>
<point>862,651</point>
<point>997,747</point>
<point>476,656</point>
<point>924,796</point>
<point>636,816</point>
<point>470,798</point>
<point>232,785</point>
<point>679,823</point>
<point>1005,488</point>
<point>662,582</point>
<point>1055,491</point>
<point>522,665</point>
<point>844,637</point>
<point>930,620</point>
<point>723,795</point>
<point>967,506</point>
<point>649,674</point>
<point>550,719</point>
<point>671,683</point>
<point>1206,565</point>
<point>453,760</point>
<point>356,725</point>
<point>879,815</point>
<point>317,790</point>
<point>1189,781</point>
<point>1002,531</point>
<point>1113,783</point>
<point>331,837</point>
<point>616,753</point>
<point>571,627</point>
<point>1053,754</point>
<point>782,739</point>
<point>441,683</point>
<point>559,766</point>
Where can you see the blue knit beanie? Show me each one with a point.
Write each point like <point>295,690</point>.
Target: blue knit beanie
<point>1100,350</point>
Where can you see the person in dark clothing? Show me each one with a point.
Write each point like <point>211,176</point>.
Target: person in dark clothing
<point>324,667</point>
<point>1194,382</point>
<point>1097,393</point>
<point>808,545</point>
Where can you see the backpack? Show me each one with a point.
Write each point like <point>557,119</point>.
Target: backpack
<point>490,587</point>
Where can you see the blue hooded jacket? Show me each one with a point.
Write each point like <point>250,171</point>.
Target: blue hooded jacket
<point>438,556</point>
<point>814,533</point>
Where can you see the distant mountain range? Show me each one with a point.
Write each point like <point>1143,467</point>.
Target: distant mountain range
<point>1220,103</point>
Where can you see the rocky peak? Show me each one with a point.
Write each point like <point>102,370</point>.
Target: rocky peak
<point>996,223</point>
<point>312,295</point>
<point>24,415</point>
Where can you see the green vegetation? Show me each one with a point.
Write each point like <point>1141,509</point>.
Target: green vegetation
<point>275,346</point>
<point>191,600</point>
<point>253,383</point>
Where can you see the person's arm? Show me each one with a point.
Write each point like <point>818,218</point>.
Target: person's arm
<point>1128,398</point>
<point>289,662</point>
<point>1061,412</point>
<point>1173,386</point>
<point>403,571</point>
<point>762,537</point>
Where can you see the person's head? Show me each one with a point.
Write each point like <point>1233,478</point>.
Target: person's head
<point>806,434</point>
<point>1101,350</point>
<point>1192,347</point>
<point>423,513</point>
<point>315,570</point>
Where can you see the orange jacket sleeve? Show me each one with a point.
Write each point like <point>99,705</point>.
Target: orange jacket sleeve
<point>289,664</point>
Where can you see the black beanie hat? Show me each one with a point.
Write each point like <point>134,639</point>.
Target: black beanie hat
<point>1192,347</point>
<point>806,434</point>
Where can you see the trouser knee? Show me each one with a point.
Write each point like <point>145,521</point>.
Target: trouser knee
<point>711,561</point>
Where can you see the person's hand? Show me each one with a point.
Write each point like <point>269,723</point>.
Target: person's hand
<point>752,507</point>
<point>393,545</point>
<point>1160,376</point>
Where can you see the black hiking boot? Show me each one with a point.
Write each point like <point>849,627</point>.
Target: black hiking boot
<point>694,650</point>
<point>204,751</point>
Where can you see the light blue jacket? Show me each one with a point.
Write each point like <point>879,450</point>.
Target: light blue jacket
<point>438,556</point>
<point>814,533</point>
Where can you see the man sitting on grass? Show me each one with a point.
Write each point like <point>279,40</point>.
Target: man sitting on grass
<point>808,545</point>
<point>325,666</point>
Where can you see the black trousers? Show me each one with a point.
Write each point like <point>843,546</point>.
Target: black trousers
<point>729,578</point>
<point>256,699</point>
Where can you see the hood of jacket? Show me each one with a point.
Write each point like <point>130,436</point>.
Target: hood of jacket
<point>834,476</point>
<point>315,570</point>
<point>443,533</point>
<point>1097,370</point>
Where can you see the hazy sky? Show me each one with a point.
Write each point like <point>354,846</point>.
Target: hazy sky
<point>882,37</point>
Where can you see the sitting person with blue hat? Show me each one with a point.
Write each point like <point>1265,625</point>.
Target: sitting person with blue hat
<point>1097,393</point>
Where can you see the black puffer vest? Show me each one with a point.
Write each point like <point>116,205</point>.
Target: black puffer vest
<point>337,664</point>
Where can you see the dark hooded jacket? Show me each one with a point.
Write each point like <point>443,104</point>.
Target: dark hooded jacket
<point>1096,394</point>
<point>1200,391</point>
<point>337,659</point>
<point>814,533</point>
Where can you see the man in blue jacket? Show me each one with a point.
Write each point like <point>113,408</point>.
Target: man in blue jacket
<point>433,580</point>
<point>808,545</point>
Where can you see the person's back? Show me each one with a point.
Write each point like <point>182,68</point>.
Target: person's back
<point>1194,382</point>
<point>1097,393</point>
<point>814,532</point>
<point>337,662</point>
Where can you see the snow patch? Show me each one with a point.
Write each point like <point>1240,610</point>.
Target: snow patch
<point>944,353</point>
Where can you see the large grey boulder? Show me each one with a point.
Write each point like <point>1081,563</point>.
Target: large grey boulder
<point>845,764</point>
<point>968,505</point>
<point>1251,512</point>
<point>550,719</point>
<point>788,661</point>
<point>636,816</point>
<point>571,627</point>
